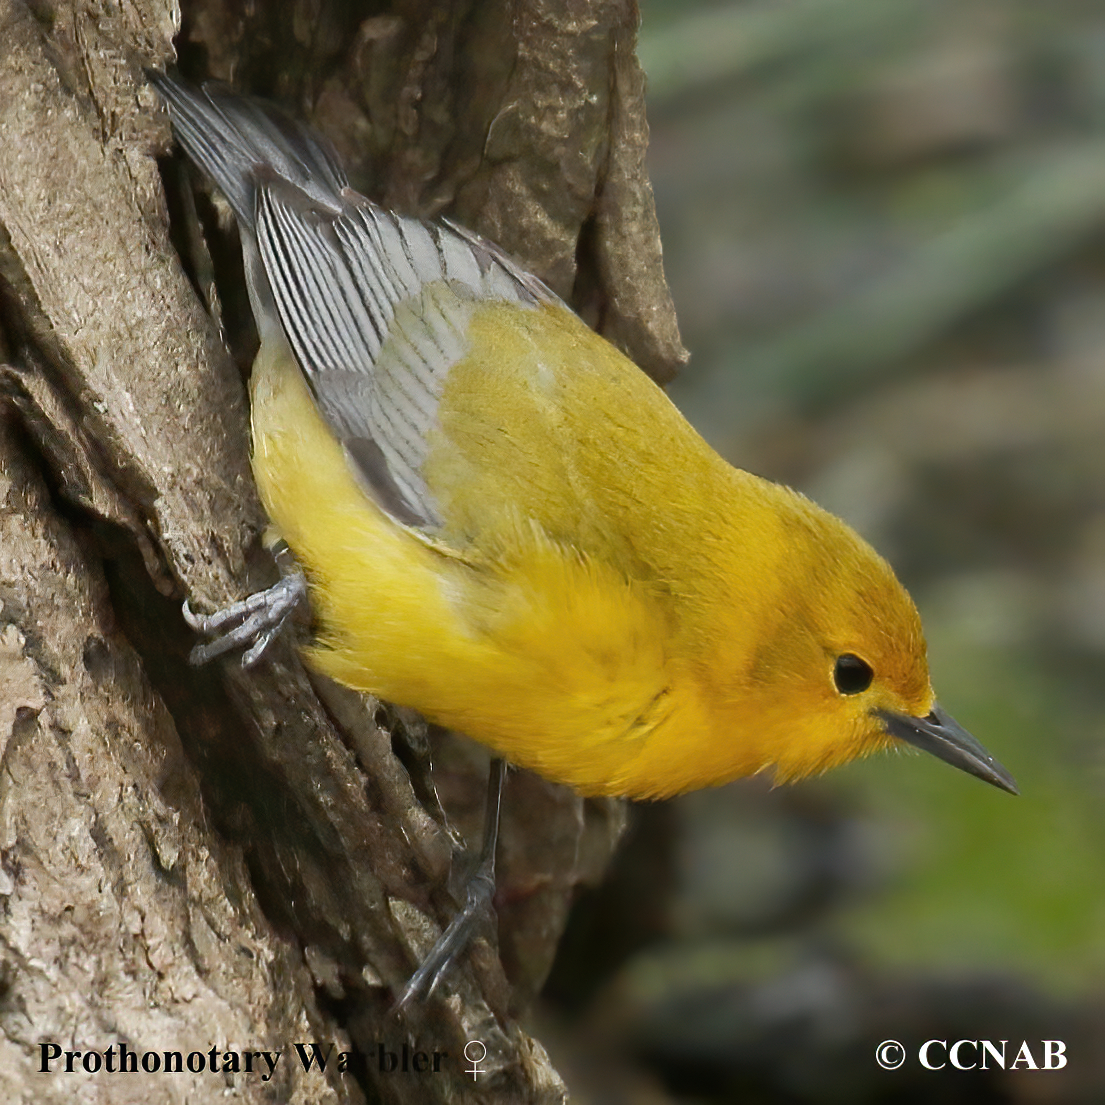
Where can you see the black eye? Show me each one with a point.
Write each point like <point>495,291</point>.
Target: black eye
<point>851,674</point>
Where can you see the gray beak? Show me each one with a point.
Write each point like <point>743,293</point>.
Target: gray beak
<point>946,739</point>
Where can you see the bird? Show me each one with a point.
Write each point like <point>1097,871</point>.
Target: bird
<point>500,521</point>
<point>508,526</point>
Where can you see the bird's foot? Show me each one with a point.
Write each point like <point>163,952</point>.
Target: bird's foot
<point>476,912</point>
<point>477,908</point>
<point>251,624</point>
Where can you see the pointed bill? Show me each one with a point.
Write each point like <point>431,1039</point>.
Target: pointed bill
<point>942,736</point>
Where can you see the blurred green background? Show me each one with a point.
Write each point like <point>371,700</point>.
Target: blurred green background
<point>884,229</point>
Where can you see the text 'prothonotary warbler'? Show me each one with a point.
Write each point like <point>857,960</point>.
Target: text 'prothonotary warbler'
<point>506,525</point>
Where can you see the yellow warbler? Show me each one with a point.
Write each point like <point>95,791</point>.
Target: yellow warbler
<point>507,526</point>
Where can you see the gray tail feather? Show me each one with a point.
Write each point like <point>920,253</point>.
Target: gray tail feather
<point>231,137</point>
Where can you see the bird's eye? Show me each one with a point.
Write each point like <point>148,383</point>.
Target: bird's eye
<point>851,674</point>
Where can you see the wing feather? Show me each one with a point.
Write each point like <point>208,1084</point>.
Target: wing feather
<point>375,306</point>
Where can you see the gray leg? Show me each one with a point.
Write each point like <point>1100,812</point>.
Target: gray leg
<point>477,905</point>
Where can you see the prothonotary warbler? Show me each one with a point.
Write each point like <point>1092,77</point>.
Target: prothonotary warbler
<point>506,525</point>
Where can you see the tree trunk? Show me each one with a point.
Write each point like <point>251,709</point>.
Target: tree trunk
<point>218,863</point>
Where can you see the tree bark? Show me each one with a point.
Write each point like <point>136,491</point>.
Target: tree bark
<point>217,862</point>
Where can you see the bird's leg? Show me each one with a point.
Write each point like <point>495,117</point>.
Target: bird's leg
<point>253,624</point>
<point>255,621</point>
<point>477,905</point>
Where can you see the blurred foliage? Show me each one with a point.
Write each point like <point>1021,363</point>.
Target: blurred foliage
<point>884,228</point>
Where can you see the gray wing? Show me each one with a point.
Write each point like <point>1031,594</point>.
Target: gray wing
<point>375,306</point>
<point>230,136</point>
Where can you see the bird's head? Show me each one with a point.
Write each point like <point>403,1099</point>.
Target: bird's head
<point>840,669</point>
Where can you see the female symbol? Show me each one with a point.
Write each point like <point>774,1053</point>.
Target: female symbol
<point>475,1060</point>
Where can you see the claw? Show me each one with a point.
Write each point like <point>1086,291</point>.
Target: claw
<point>253,623</point>
<point>477,907</point>
<point>477,903</point>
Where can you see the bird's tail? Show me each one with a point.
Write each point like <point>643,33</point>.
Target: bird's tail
<point>234,137</point>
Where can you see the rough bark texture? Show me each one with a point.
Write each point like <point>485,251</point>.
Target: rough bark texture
<point>242,861</point>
